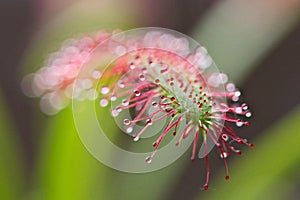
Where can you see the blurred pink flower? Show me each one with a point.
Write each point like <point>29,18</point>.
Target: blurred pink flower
<point>54,82</point>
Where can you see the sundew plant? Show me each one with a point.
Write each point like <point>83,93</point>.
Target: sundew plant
<point>146,76</point>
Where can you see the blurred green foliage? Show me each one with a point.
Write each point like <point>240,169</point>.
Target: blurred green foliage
<point>65,169</point>
<point>12,179</point>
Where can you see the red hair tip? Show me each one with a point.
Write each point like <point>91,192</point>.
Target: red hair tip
<point>205,187</point>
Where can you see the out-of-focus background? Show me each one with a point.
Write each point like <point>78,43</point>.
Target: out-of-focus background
<point>256,42</point>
